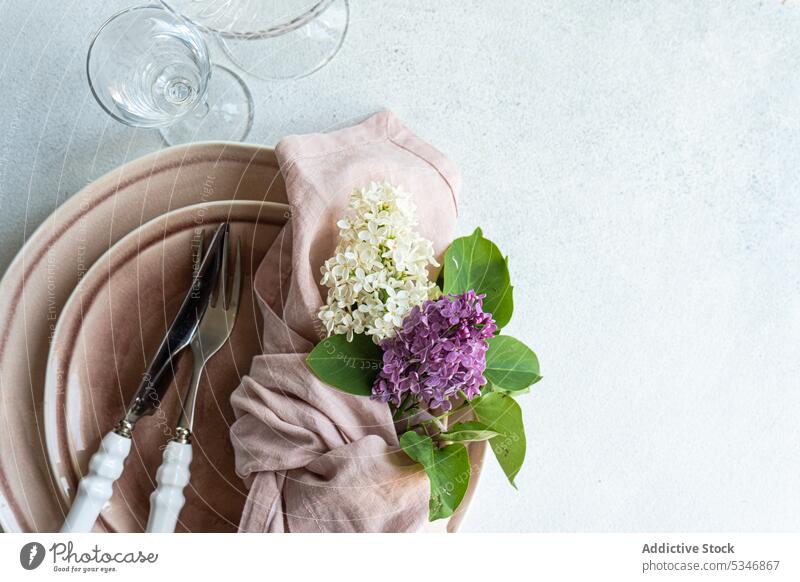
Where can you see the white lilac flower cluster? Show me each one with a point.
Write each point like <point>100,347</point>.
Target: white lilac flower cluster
<point>380,269</point>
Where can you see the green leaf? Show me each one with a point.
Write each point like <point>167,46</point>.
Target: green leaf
<point>448,471</point>
<point>440,279</point>
<point>510,364</point>
<point>349,366</point>
<point>473,262</point>
<point>501,413</point>
<point>465,432</point>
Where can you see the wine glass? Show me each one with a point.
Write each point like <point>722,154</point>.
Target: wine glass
<point>272,39</point>
<point>148,67</point>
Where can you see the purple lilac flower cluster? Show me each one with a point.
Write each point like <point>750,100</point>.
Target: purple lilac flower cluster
<point>439,352</point>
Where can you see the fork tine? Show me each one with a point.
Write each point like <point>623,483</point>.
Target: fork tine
<point>236,292</point>
<point>222,293</point>
<point>197,254</point>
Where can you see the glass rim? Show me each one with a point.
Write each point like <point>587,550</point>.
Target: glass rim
<point>269,32</point>
<point>89,52</point>
<point>230,52</point>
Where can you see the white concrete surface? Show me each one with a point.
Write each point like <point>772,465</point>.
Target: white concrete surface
<point>638,161</point>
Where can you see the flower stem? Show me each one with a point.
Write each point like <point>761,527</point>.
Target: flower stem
<point>438,419</point>
<point>401,407</point>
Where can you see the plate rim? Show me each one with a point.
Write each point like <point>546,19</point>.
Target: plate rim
<point>67,205</point>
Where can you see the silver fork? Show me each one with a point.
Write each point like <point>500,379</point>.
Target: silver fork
<point>215,328</point>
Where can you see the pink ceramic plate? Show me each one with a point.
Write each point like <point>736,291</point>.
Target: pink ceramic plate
<point>47,269</point>
<point>108,329</point>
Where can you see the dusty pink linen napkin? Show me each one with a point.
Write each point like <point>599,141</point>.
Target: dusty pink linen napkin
<point>316,459</point>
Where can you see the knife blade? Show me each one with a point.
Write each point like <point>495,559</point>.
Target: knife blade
<point>157,378</point>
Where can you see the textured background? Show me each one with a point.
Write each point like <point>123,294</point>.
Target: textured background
<point>638,161</point>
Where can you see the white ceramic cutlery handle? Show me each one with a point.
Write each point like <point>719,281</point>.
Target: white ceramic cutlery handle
<point>172,476</point>
<point>96,487</point>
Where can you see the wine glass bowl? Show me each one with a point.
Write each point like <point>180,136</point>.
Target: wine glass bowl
<point>248,19</point>
<point>272,39</point>
<point>149,67</point>
<point>146,70</point>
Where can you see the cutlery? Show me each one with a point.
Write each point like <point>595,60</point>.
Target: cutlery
<point>106,465</point>
<point>215,328</point>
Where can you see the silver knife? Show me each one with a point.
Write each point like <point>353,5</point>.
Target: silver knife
<point>158,376</point>
<point>105,466</point>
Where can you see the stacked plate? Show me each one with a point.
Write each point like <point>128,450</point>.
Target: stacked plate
<point>85,304</point>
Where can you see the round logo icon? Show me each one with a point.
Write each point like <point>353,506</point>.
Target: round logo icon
<point>31,555</point>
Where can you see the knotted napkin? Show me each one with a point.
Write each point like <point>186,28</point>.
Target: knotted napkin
<point>316,459</point>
